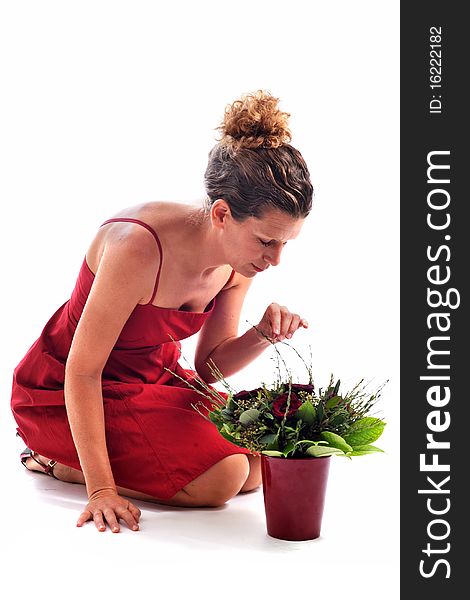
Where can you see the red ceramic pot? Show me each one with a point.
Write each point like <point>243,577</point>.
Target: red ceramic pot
<point>294,495</point>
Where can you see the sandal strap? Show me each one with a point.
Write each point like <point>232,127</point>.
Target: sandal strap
<point>49,467</point>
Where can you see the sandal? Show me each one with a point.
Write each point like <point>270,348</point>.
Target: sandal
<point>49,468</point>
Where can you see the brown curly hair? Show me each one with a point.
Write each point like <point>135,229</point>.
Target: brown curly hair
<point>253,167</point>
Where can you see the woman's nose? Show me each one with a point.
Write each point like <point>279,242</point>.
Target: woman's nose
<point>273,257</point>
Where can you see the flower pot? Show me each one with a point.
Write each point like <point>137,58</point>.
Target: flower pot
<point>294,495</point>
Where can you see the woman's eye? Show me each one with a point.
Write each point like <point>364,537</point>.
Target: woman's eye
<point>265,243</point>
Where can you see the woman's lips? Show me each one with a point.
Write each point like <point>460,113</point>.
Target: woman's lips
<point>257,269</point>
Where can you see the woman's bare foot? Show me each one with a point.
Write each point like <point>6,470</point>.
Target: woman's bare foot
<point>62,472</point>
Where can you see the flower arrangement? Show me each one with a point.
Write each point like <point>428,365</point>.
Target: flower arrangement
<point>294,420</point>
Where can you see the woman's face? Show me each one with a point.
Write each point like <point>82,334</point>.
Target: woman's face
<point>253,245</point>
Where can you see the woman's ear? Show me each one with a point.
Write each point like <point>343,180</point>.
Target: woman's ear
<point>220,213</point>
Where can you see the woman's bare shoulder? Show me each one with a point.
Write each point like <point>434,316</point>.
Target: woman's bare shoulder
<point>159,214</point>
<point>164,218</point>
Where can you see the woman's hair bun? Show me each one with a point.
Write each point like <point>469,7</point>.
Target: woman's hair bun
<point>255,121</point>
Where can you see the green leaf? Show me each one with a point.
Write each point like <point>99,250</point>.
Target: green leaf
<point>249,416</point>
<point>288,448</point>
<point>332,402</point>
<point>322,451</point>
<point>271,453</point>
<point>336,390</point>
<point>268,438</point>
<point>339,418</point>
<point>227,436</point>
<point>336,441</point>
<point>367,448</point>
<point>320,412</point>
<point>274,445</point>
<point>307,412</point>
<point>226,413</point>
<point>364,423</point>
<point>214,417</point>
<point>360,452</point>
<point>364,431</point>
<point>311,442</point>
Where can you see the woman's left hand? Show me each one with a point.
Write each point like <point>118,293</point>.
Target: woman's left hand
<point>278,323</point>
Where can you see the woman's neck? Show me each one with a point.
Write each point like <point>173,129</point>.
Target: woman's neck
<point>203,250</point>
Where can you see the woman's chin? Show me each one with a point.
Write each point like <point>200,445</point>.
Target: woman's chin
<point>248,270</point>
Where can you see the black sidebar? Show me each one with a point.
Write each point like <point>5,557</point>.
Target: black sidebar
<point>435,239</point>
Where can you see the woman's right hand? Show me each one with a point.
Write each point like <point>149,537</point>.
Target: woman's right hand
<point>108,505</point>
<point>278,323</point>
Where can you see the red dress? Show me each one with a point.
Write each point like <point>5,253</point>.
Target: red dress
<point>157,442</point>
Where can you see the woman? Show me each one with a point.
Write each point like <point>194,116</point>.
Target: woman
<point>96,397</point>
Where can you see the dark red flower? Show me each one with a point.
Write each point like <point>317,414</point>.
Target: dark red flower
<point>302,387</point>
<point>244,394</point>
<point>280,405</point>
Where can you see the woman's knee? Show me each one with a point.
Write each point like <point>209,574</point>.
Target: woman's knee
<point>254,479</point>
<point>220,482</point>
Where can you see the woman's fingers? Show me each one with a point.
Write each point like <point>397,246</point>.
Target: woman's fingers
<point>129,519</point>
<point>110,509</point>
<point>279,323</point>
<point>136,512</point>
<point>84,517</point>
<point>288,323</point>
<point>286,318</point>
<point>99,521</point>
<point>111,519</point>
<point>275,315</point>
<point>294,325</point>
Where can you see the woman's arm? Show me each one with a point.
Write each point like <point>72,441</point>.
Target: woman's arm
<point>123,279</point>
<point>233,354</point>
<point>218,339</point>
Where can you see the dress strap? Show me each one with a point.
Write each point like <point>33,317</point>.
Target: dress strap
<point>152,231</point>
<point>230,278</point>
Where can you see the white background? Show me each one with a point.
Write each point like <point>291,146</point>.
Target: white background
<point>105,105</point>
